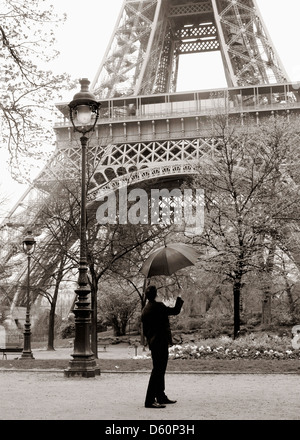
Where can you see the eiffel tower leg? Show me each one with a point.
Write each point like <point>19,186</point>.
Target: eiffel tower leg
<point>83,362</point>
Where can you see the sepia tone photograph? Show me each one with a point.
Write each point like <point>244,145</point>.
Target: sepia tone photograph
<point>149,213</point>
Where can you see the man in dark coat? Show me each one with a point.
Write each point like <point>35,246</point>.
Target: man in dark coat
<point>156,328</point>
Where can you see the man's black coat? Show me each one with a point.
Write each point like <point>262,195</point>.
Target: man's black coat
<point>156,326</point>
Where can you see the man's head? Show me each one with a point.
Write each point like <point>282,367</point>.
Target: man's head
<point>151,293</point>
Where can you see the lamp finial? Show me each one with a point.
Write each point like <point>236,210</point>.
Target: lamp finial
<point>84,82</point>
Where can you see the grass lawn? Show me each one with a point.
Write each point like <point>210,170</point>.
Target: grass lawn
<point>232,364</point>
<point>261,366</point>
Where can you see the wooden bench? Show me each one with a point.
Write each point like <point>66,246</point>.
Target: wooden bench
<point>10,350</point>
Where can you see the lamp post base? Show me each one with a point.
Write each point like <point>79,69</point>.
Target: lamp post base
<point>26,355</point>
<point>83,363</point>
<point>82,368</point>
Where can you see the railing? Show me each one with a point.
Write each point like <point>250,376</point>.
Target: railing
<point>232,100</point>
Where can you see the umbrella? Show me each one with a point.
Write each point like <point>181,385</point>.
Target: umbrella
<point>168,259</point>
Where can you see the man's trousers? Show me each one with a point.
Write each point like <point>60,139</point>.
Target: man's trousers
<point>156,386</point>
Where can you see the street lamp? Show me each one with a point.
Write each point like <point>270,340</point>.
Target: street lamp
<point>29,244</point>
<point>84,113</point>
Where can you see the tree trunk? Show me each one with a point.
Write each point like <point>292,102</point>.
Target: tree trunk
<point>267,296</point>
<point>59,277</point>
<point>51,326</point>
<point>94,335</point>
<point>290,299</point>
<point>116,328</point>
<point>123,327</point>
<point>236,307</point>
<point>53,306</point>
<point>266,309</point>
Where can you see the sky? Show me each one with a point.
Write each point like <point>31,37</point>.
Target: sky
<point>83,39</point>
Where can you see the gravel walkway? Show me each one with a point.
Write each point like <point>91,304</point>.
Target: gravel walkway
<point>40,395</point>
<point>115,396</point>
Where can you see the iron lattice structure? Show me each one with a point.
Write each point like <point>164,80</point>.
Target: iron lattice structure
<point>147,132</point>
<point>150,35</point>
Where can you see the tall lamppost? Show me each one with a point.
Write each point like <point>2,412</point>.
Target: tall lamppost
<point>29,244</point>
<point>84,113</point>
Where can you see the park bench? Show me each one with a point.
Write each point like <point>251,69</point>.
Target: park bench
<point>12,344</point>
<point>10,349</point>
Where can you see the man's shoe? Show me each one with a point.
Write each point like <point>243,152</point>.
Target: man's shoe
<point>166,400</point>
<point>155,405</point>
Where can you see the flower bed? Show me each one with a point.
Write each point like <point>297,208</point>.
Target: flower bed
<point>248,347</point>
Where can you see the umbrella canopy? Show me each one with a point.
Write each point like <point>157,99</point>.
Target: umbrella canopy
<point>168,259</point>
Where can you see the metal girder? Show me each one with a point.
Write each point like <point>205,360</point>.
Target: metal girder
<point>247,50</point>
<point>150,35</point>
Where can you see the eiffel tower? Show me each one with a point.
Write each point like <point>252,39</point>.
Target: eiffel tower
<point>147,131</point>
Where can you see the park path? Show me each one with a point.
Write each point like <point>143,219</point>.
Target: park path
<point>120,396</point>
<point>44,395</point>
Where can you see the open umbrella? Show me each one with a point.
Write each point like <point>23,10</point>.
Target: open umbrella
<point>168,259</point>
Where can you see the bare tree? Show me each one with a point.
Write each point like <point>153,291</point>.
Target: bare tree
<point>112,247</point>
<point>116,305</point>
<point>247,198</point>
<point>29,90</point>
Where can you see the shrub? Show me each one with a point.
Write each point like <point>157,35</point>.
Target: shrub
<point>254,321</point>
<point>68,331</point>
<point>194,323</point>
<point>282,318</point>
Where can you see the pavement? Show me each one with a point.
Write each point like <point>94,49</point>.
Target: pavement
<point>116,396</point>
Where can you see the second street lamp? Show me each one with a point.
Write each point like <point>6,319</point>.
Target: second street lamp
<point>29,244</point>
<point>84,113</point>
